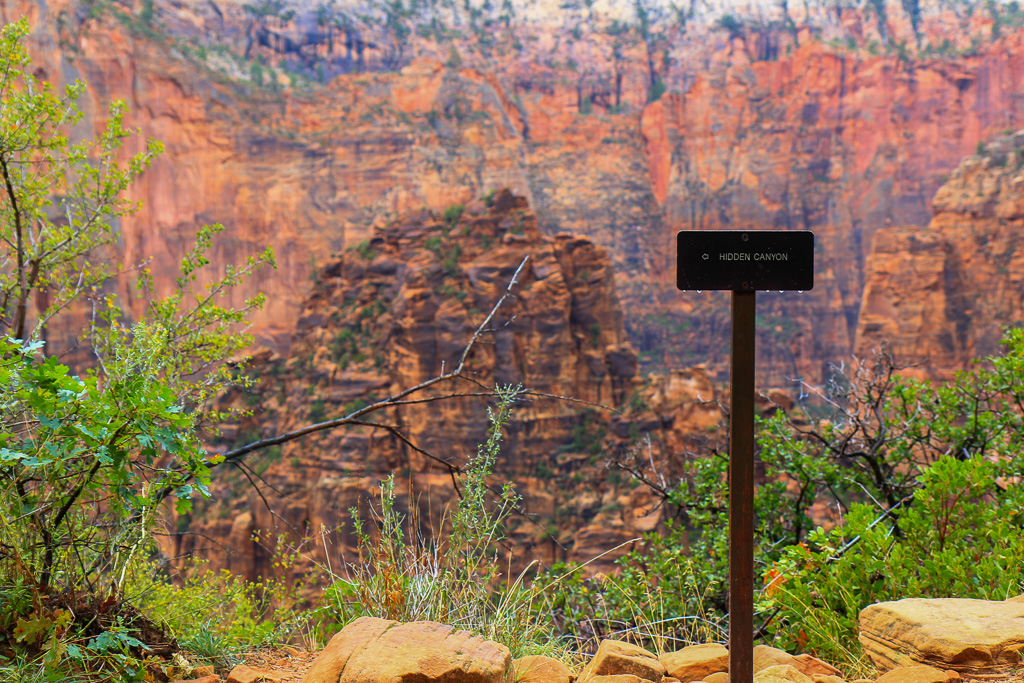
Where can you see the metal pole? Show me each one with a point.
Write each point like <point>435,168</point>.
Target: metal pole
<point>741,491</point>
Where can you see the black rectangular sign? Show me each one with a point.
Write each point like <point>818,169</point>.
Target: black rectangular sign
<point>745,260</point>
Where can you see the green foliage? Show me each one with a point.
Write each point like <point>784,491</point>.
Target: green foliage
<point>587,435</point>
<point>218,616</point>
<point>731,24</point>
<point>658,597</point>
<point>450,258</point>
<point>913,9</point>
<point>87,458</point>
<point>454,60</point>
<point>317,411</point>
<point>45,238</point>
<point>364,250</point>
<point>452,214</point>
<point>961,537</point>
<point>657,90</point>
<point>921,475</point>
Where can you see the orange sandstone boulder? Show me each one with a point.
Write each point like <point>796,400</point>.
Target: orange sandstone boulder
<point>615,658</point>
<point>918,674</point>
<point>696,662</point>
<point>781,673</point>
<point>541,669</point>
<point>248,674</point>
<point>371,650</point>
<point>765,656</point>
<point>979,639</point>
<point>720,677</point>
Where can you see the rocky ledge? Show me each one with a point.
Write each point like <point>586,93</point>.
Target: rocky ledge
<point>909,641</point>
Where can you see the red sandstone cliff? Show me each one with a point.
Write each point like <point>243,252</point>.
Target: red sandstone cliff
<point>943,294</point>
<point>760,128</point>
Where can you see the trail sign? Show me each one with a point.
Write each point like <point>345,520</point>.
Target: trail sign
<point>743,261</point>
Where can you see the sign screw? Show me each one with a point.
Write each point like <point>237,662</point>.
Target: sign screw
<point>705,257</point>
<point>745,237</point>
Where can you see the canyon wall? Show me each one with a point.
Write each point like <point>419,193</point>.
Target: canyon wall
<point>402,192</point>
<point>760,127</point>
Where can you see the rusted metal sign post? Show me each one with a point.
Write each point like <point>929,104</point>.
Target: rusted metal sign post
<point>743,262</point>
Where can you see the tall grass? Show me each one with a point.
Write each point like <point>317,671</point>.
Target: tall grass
<point>453,578</point>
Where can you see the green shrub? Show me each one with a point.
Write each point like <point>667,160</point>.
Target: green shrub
<point>658,597</point>
<point>452,214</point>
<point>961,536</point>
<point>657,90</point>
<point>880,445</point>
<point>217,616</point>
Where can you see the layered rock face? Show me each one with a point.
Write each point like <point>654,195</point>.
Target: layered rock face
<point>944,294</point>
<point>759,128</point>
<point>396,312</point>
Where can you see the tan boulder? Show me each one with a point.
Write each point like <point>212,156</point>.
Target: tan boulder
<point>821,678</point>
<point>781,673</point>
<point>720,677</point>
<point>248,674</point>
<point>1016,598</point>
<point>614,658</point>
<point>209,678</point>
<point>541,669</point>
<point>696,662</point>
<point>616,678</point>
<point>980,639</point>
<point>766,656</point>
<point>918,674</point>
<point>371,650</point>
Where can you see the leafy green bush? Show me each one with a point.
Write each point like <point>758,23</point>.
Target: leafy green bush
<point>86,459</point>
<point>932,466</point>
<point>217,616</point>
<point>452,214</point>
<point>960,537</point>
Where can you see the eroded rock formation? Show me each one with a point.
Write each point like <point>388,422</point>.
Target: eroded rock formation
<point>395,311</point>
<point>944,294</point>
